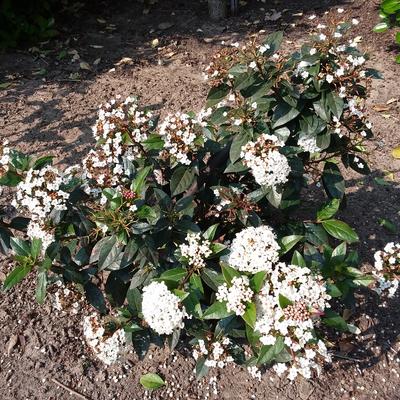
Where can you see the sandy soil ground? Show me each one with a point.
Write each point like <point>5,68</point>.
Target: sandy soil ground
<point>49,107</point>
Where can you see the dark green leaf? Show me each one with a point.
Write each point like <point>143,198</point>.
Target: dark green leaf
<point>297,259</point>
<point>333,181</point>
<point>41,287</point>
<point>229,273</point>
<point>284,301</point>
<point>334,320</point>
<point>95,297</point>
<point>217,310</point>
<point>16,276</point>
<point>288,242</point>
<point>20,247</point>
<point>283,113</point>
<point>328,210</point>
<point>181,180</point>
<point>216,94</point>
<point>340,230</point>
<point>250,315</point>
<point>268,353</point>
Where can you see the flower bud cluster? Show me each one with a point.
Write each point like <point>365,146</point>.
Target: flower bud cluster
<point>237,295</point>
<point>387,268</point>
<point>222,62</point>
<point>195,250</point>
<point>269,167</point>
<point>162,309</point>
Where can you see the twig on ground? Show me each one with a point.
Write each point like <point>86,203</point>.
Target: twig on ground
<point>72,391</point>
<point>347,358</point>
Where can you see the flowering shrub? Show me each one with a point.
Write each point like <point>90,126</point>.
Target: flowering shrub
<point>193,222</point>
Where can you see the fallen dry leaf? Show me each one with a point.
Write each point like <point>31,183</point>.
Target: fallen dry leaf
<point>12,342</point>
<point>85,65</point>
<point>125,60</point>
<point>396,152</point>
<point>345,346</point>
<point>381,107</point>
<point>273,15</point>
<point>97,61</point>
<point>392,101</point>
<point>96,46</point>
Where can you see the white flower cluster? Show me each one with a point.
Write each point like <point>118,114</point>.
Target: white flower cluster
<point>101,171</point>
<point>216,353</point>
<point>308,143</point>
<point>66,300</point>
<point>182,136</point>
<point>117,118</point>
<point>195,250</point>
<point>162,309</point>
<point>237,295</point>
<point>307,298</point>
<point>40,231</point>
<point>106,348</point>
<point>387,268</point>
<point>254,249</point>
<point>119,131</point>
<point>41,192</point>
<point>268,166</point>
<point>4,157</point>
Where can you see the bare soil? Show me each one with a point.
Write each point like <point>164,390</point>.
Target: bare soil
<point>50,106</point>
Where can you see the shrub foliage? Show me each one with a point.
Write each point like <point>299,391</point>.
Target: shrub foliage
<point>197,225</point>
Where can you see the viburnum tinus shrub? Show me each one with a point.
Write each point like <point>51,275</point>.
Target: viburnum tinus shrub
<point>190,226</point>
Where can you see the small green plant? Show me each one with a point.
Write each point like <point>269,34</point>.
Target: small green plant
<point>390,18</point>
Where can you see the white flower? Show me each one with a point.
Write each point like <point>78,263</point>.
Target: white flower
<point>196,249</point>
<point>264,48</point>
<point>162,309</point>
<point>280,368</point>
<point>294,322</point>
<point>355,21</point>
<point>41,193</point>
<point>237,295</point>
<point>313,51</point>
<point>106,348</point>
<point>181,137</point>
<point>340,10</point>
<point>387,268</point>
<point>329,78</point>
<point>308,143</point>
<point>322,37</point>
<point>254,249</point>
<point>268,166</point>
<point>321,26</point>
<point>38,230</point>
<point>253,65</point>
